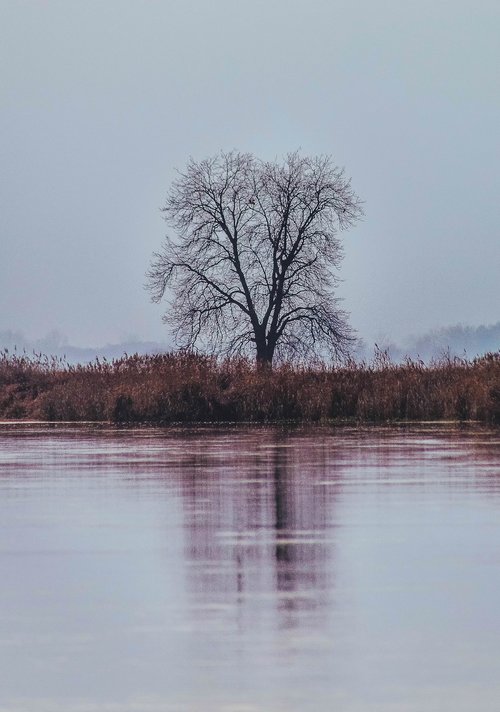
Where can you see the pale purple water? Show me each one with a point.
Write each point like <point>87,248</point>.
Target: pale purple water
<point>249,570</point>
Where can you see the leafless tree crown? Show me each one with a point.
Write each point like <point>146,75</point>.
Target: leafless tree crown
<point>252,262</point>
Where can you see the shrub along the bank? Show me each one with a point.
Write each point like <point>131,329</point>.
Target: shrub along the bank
<point>185,387</point>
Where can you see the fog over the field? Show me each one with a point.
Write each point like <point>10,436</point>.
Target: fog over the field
<point>101,101</point>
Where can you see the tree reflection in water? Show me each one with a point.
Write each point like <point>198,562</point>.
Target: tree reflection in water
<point>258,526</point>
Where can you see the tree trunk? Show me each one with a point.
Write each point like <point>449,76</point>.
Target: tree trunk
<point>264,362</point>
<point>265,353</point>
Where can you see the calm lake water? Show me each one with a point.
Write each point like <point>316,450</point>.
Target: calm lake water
<point>249,569</point>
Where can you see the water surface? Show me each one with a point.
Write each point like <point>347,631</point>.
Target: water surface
<point>249,569</point>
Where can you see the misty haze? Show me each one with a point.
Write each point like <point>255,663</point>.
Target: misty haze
<point>101,102</point>
<point>460,341</point>
<point>249,356</point>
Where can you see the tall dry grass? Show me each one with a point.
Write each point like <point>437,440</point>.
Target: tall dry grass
<point>184,387</point>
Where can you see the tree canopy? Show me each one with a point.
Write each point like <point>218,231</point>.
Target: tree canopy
<point>251,266</point>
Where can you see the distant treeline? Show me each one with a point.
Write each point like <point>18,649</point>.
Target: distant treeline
<point>463,341</point>
<point>182,387</point>
<point>56,344</point>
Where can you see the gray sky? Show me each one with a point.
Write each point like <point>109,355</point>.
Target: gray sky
<point>101,100</point>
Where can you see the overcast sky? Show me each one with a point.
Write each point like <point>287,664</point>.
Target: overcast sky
<point>102,100</point>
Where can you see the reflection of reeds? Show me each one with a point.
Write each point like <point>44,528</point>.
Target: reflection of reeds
<point>188,387</point>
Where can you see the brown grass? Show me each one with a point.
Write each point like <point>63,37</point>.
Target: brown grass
<point>183,387</point>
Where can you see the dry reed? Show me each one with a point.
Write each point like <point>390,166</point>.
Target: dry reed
<point>185,387</point>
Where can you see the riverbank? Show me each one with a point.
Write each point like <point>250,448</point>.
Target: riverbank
<point>180,387</point>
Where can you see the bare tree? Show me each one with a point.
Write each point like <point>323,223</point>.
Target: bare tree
<point>253,263</point>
